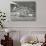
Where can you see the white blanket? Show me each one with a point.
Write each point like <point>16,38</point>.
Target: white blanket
<point>27,44</point>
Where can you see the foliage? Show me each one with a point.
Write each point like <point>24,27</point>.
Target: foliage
<point>2,18</point>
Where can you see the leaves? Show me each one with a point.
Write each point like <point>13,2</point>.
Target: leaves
<point>2,18</point>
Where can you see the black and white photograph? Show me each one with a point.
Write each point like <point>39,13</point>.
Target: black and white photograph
<point>23,11</point>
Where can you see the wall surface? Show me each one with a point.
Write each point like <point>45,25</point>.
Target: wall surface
<point>40,14</point>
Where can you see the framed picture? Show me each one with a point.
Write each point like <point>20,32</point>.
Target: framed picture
<point>23,11</point>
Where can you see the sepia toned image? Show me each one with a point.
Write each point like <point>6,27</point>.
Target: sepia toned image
<point>23,11</point>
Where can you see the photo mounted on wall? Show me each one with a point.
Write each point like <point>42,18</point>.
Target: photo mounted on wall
<point>23,11</point>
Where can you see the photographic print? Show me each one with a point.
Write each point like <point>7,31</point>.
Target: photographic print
<point>23,11</point>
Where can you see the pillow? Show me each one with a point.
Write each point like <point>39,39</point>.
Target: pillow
<point>28,39</point>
